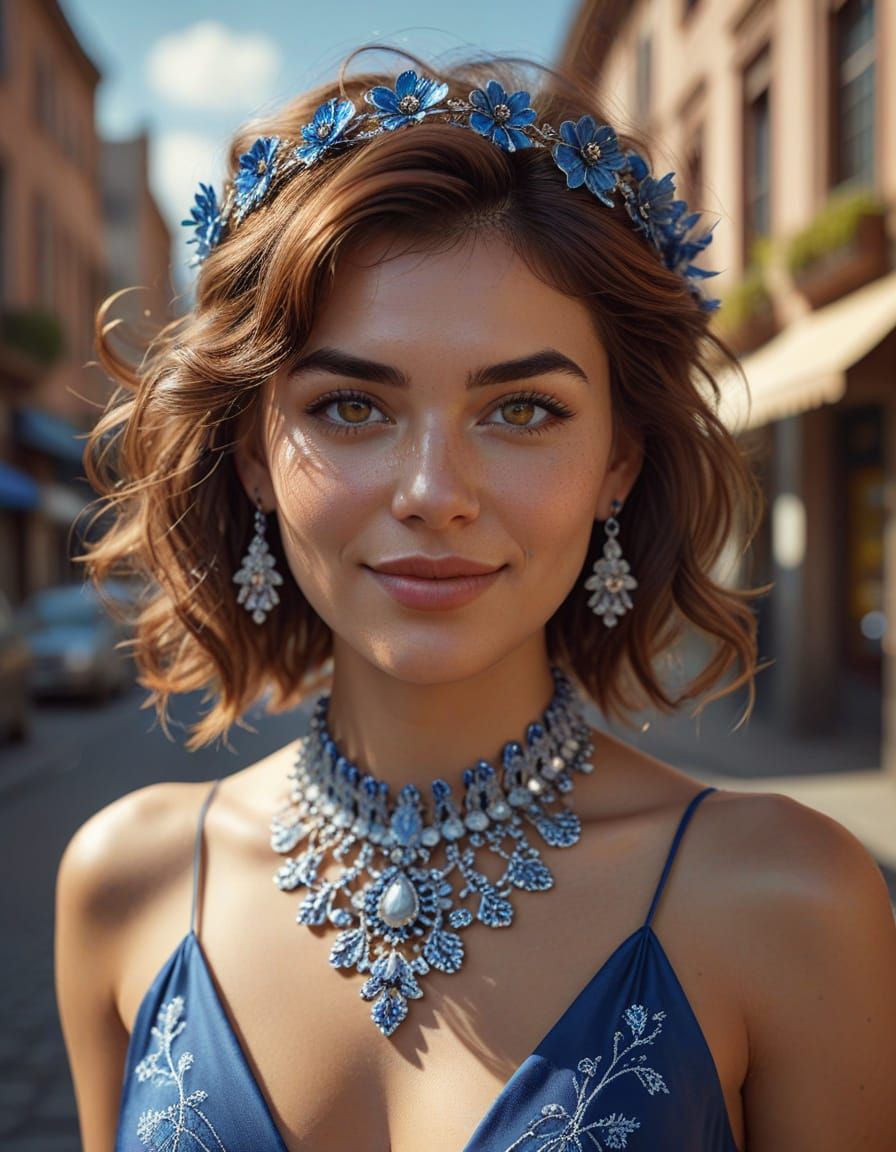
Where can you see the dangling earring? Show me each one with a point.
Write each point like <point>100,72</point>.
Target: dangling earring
<point>611,578</point>
<point>257,574</point>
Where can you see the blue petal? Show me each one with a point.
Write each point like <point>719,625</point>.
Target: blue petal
<point>479,100</point>
<point>568,158</point>
<point>574,167</point>
<point>383,98</point>
<point>324,112</point>
<point>406,84</point>
<point>518,102</point>
<point>482,123</point>
<point>496,93</point>
<point>568,133</point>
<point>502,138</point>
<point>637,165</point>
<point>599,182</point>
<point>585,130</point>
<point>397,121</point>
<point>520,139</point>
<point>431,92</point>
<point>527,116</point>
<point>345,109</point>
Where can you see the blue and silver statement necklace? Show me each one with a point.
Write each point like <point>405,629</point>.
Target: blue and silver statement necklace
<point>399,916</point>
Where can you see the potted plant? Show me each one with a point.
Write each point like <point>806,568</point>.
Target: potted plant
<point>34,334</point>
<point>747,316</point>
<point>844,247</point>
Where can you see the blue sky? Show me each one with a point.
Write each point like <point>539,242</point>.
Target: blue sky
<point>191,73</point>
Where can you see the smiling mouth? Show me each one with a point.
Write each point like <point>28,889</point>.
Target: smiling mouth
<point>443,592</point>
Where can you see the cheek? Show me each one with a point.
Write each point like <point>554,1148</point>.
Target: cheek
<point>554,530</point>
<point>316,499</point>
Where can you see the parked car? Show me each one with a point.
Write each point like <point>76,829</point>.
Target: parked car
<point>73,640</point>
<point>15,663</point>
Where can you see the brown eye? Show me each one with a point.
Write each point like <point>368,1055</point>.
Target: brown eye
<point>519,410</point>
<point>353,410</point>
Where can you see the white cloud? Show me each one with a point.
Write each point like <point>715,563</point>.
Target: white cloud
<point>211,67</point>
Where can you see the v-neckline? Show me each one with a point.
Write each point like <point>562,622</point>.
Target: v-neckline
<point>191,938</point>
<point>645,930</point>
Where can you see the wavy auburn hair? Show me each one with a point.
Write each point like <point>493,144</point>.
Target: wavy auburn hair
<point>162,454</point>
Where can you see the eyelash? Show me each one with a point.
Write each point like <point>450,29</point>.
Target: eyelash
<point>558,410</point>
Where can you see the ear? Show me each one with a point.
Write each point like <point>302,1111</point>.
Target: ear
<point>251,463</point>
<point>626,459</point>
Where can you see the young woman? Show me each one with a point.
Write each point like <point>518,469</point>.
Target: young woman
<point>440,436</point>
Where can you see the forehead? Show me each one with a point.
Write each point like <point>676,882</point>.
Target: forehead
<point>476,296</point>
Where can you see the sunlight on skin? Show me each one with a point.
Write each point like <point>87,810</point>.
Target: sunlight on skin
<point>441,469</point>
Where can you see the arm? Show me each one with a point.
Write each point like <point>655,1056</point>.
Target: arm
<point>114,864</point>
<point>95,1038</point>
<point>820,989</point>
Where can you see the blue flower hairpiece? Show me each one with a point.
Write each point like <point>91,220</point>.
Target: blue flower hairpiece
<point>586,152</point>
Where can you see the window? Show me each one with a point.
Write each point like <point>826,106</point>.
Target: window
<point>692,179</point>
<point>117,206</point>
<point>643,78</point>
<point>42,246</point>
<point>44,95</point>
<point>4,230</point>
<point>757,150</point>
<point>853,87</point>
<point>4,46</point>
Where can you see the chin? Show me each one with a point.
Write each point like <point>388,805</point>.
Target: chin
<point>428,661</point>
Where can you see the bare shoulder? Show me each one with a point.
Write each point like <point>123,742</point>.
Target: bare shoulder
<point>811,948</point>
<point>809,943</point>
<point>126,852</point>
<point>792,861</point>
<point>767,866</point>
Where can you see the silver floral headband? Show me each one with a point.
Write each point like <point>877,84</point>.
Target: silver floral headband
<point>587,152</point>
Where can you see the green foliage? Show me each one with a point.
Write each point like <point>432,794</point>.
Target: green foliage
<point>36,334</point>
<point>833,227</point>
<point>748,297</point>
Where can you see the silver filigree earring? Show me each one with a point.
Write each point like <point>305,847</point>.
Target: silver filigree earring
<point>257,574</point>
<point>611,578</point>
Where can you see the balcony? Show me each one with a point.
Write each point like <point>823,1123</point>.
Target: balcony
<point>844,247</point>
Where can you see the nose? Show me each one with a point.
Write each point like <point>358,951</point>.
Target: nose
<point>436,479</point>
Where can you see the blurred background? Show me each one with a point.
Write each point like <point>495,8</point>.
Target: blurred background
<point>779,120</point>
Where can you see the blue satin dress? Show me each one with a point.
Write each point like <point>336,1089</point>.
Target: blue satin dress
<point>625,1066</point>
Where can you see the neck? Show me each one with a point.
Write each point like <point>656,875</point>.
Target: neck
<point>408,732</point>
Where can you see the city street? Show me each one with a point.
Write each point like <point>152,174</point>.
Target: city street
<point>81,758</point>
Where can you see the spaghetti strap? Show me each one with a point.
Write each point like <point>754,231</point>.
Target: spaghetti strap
<point>682,825</point>
<point>197,850</point>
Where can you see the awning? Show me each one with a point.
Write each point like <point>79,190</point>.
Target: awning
<point>50,434</point>
<point>805,366</point>
<point>17,490</point>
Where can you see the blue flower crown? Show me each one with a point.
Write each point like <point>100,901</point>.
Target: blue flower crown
<point>588,153</point>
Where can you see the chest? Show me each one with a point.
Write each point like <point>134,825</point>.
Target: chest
<point>332,1081</point>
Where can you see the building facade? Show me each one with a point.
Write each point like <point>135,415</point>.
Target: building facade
<point>138,240</point>
<point>77,221</point>
<point>779,118</point>
<point>51,274</point>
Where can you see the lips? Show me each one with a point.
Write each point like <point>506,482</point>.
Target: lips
<point>434,568</point>
<point>434,594</point>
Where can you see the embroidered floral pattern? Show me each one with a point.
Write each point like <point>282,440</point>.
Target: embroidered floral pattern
<point>182,1124</point>
<point>557,1129</point>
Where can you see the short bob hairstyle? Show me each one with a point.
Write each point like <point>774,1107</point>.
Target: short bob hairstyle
<point>162,454</point>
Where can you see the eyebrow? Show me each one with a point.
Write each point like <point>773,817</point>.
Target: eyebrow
<point>339,363</point>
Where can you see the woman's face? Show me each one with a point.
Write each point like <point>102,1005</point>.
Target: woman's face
<point>433,448</point>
